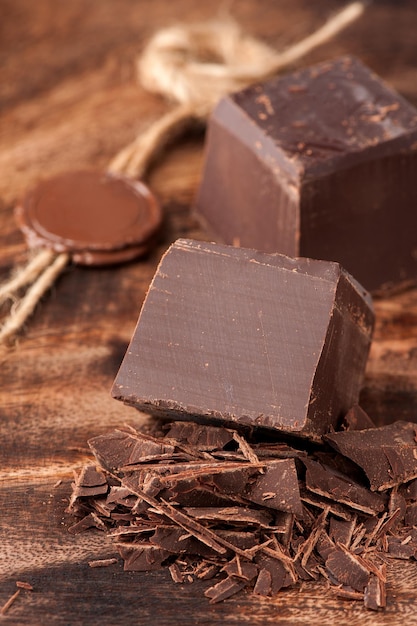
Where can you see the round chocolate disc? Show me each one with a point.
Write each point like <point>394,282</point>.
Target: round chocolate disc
<point>97,217</point>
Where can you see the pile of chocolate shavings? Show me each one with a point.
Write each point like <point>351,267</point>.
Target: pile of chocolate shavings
<point>207,504</point>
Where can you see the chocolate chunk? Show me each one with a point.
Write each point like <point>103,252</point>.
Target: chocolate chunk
<point>120,449</point>
<point>263,585</point>
<point>241,539</point>
<point>339,510</point>
<point>243,569</point>
<point>311,164</point>
<point>97,217</point>
<point>388,454</point>
<point>277,573</point>
<point>142,557</point>
<point>357,419</point>
<point>209,438</point>
<point>335,486</point>
<point>375,594</point>
<point>397,502</point>
<point>224,334</point>
<point>89,483</point>
<point>277,487</point>
<point>403,549</point>
<point>89,521</point>
<point>347,569</point>
<point>177,541</point>
<point>340,531</point>
<point>224,589</point>
<point>325,545</point>
<point>409,491</point>
<point>411,514</point>
<point>235,515</point>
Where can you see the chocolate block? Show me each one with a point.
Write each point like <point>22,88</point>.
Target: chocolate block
<point>238,336</point>
<point>319,163</point>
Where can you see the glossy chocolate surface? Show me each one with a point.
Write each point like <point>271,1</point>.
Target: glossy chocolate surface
<point>235,335</point>
<point>97,217</point>
<point>319,163</point>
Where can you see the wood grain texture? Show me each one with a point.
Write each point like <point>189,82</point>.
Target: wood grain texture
<point>69,98</point>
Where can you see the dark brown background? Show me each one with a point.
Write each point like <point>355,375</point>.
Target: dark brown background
<point>69,98</point>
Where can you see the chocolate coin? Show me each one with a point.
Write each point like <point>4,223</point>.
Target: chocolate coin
<point>97,217</point>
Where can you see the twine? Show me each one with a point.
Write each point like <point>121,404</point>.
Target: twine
<point>197,64</point>
<point>194,65</point>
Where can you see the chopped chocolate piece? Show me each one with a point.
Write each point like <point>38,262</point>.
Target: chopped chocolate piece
<point>276,570</point>
<point>339,510</point>
<point>142,557</point>
<point>341,531</point>
<point>325,545</point>
<point>245,449</point>
<point>375,594</point>
<point>236,515</point>
<point>89,521</point>
<point>244,569</point>
<point>192,493</point>
<point>176,574</point>
<point>208,438</point>
<point>222,336</point>
<point>401,548</point>
<point>347,569</point>
<point>119,449</point>
<point>409,491</point>
<point>102,563</point>
<point>91,477</point>
<point>278,450</point>
<point>397,502</point>
<point>239,538</point>
<point>387,454</point>
<point>177,541</point>
<point>346,593</point>
<point>208,572</point>
<point>357,419</point>
<point>316,171</point>
<point>88,483</point>
<point>263,585</point>
<point>411,514</point>
<point>306,548</point>
<point>326,482</point>
<point>120,495</point>
<point>224,589</point>
<point>232,482</point>
<point>22,584</point>
<point>277,488</point>
<point>6,606</point>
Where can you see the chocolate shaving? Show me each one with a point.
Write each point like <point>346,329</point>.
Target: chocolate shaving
<point>102,562</point>
<point>207,504</point>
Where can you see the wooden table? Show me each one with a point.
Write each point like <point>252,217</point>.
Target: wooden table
<point>70,99</point>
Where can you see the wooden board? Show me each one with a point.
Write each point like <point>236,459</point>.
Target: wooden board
<point>69,98</point>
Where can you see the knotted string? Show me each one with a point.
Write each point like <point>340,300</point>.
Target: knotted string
<point>194,65</point>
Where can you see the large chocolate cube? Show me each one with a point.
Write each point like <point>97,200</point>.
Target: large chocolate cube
<point>320,163</point>
<point>237,336</point>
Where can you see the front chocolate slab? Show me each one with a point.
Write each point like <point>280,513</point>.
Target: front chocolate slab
<point>239,336</point>
<point>318,163</point>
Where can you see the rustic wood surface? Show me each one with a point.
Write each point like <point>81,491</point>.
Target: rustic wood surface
<point>69,99</point>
